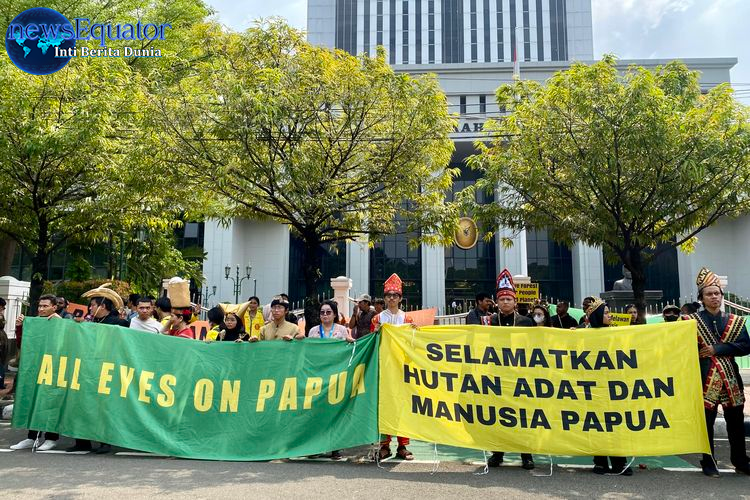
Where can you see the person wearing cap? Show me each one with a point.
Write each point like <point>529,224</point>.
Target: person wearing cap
<point>505,293</point>
<point>599,317</point>
<point>279,328</point>
<point>585,306</point>
<point>721,338</point>
<point>392,315</point>
<point>362,318</point>
<point>670,313</point>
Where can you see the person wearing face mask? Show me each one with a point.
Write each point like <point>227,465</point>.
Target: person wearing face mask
<point>540,316</point>
<point>670,313</point>
<point>599,317</point>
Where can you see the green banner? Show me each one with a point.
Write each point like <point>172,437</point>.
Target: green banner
<point>186,398</point>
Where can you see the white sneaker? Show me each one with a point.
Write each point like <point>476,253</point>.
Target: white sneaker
<point>47,445</point>
<point>23,445</point>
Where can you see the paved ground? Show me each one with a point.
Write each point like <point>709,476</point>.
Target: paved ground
<point>458,474</point>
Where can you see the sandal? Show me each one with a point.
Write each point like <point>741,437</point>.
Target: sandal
<point>384,452</point>
<point>403,453</point>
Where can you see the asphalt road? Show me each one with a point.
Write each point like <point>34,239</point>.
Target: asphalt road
<point>40,475</point>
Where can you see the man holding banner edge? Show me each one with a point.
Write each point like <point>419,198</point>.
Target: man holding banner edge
<point>721,337</point>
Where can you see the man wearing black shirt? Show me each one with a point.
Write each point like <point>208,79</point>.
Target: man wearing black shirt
<point>480,315</point>
<point>562,319</point>
<point>507,316</point>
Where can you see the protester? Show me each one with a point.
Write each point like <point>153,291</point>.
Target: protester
<point>233,329</point>
<point>145,321</point>
<point>585,306</point>
<point>690,308</point>
<point>540,316</point>
<point>393,315</point>
<point>279,328</point>
<point>290,316</point>
<point>328,328</point>
<point>633,312</point>
<point>163,309</point>
<point>62,306</point>
<point>46,308</point>
<point>505,295</point>
<point>362,317</point>
<point>254,316</point>
<point>178,324</point>
<point>104,311</point>
<point>721,338</point>
<point>379,305</point>
<point>132,305</point>
<point>215,317</point>
<point>600,317</point>
<point>480,314</point>
<point>670,313</point>
<point>562,319</point>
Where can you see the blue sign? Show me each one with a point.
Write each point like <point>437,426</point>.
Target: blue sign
<point>36,37</point>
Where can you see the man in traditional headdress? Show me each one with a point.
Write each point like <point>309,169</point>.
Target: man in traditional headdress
<point>506,315</point>
<point>721,337</point>
<point>392,315</point>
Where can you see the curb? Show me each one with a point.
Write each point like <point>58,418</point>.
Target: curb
<point>720,427</point>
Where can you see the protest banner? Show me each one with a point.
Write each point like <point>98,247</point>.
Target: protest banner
<point>542,390</point>
<point>527,293</point>
<point>184,398</point>
<point>200,329</point>
<point>621,319</point>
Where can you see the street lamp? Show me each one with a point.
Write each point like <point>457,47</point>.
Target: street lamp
<point>237,280</point>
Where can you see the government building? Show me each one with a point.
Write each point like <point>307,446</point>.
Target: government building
<point>471,45</point>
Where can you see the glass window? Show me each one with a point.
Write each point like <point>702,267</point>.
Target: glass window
<point>462,104</point>
<point>550,264</point>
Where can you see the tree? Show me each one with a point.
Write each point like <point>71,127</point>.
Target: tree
<point>333,145</point>
<point>622,161</point>
<point>69,165</point>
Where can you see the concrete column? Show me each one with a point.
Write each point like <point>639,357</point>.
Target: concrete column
<point>515,258</point>
<point>433,277</point>
<point>358,264</point>
<point>15,293</point>
<point>341,288</point>
<point>588,271</point>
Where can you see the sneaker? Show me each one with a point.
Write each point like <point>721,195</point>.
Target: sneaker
<point>23,445</point>
<point>336,455</point>
<point>79,448</point>
<point>626,472</point>
<point>47,445</point>
<point>745,469</point>
<point>496,459</point>
<point>527,462</point>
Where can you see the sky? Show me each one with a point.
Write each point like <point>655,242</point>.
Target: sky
<point>630,29</point>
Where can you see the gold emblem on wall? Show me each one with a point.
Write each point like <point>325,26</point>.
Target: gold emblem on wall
<point>466,234</point>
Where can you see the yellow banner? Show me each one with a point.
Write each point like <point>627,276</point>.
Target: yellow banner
<point>616,391</point>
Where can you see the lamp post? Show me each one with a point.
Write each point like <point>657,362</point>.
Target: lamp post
<point>237,280</point>
<point>207,296</point>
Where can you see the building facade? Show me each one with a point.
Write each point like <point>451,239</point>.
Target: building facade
<point>471,45</point>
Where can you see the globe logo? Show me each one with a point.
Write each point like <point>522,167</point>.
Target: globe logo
<point>32,37</point>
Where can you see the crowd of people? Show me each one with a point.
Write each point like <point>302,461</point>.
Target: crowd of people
<point>721,337</point>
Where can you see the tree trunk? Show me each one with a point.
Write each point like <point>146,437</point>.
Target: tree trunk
<point>7,252</point>
<point>637,270</point>
<point>39,267</point>
<point>311,267</point>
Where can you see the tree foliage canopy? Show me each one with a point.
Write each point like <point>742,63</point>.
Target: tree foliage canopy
<point>320,140</point>
<point>622,161</point>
